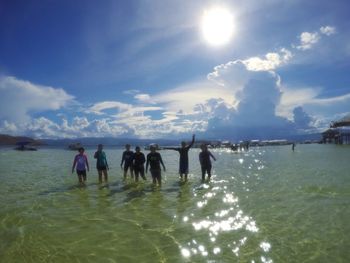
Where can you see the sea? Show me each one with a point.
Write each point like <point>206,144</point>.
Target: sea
<point>267,204</point>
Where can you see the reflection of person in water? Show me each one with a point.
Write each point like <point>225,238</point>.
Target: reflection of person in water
<point>138,164</point>
<point>183,151</point>
<point>154,160</point>
<point>204,159</point>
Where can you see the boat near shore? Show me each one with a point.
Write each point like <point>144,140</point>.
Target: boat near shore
<point>75,146</point>
<point>24,146</point>
<point>148,147</point>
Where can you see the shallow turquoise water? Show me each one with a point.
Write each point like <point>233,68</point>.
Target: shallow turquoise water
<point>267,205</point>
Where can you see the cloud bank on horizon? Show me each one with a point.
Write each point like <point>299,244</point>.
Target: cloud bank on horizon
<point>277,92</point>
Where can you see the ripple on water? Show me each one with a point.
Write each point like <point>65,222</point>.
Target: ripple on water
<point>262,205</point>
<point>224,231</point>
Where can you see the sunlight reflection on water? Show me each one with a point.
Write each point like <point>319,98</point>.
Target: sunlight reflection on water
<point>228,217</point>
<point>263,205</point>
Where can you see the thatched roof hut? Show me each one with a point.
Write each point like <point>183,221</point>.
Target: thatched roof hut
<point>339,131</point>
<point>343,122</point>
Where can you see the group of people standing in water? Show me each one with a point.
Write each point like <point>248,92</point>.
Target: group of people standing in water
<point>134,163</point>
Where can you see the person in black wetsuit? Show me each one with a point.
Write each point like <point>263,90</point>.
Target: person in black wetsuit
<point>154,160</point>
<point>204,159</point>
<point>127,159</point>
<point>138,164</point>
<point>183,151</point>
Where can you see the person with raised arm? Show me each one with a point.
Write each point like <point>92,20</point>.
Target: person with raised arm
<point>183,151</point>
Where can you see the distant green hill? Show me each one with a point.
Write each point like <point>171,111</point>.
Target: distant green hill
<point>12,140</point>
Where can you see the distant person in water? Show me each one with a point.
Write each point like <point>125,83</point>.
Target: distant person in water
<point>204,159</point>
<point>101,163</point>
<point>154,160</point>
<point>127,159</point>
<point>81,163</point>
<point>293,146</point>
<point>183,151</point>
<point>138,164</point>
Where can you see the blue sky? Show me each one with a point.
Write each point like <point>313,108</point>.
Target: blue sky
<point>143,69</point>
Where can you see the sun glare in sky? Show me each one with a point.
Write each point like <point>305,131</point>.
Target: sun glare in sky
<point>217,26</point>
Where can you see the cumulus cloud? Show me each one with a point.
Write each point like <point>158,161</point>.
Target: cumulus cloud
<point>301,119</point>
<point>310,99</point>
<point>254,116</point>
<point>79,127</point>
<point>271,61</point>
<point>328,30</point>
<point>239,99</point>
<point>309,39</point>
<point>19,99</point>
<point>185,97</point>
<point>137,121</point>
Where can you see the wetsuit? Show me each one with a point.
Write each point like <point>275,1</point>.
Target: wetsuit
<point>101,163</point>
<point>127,159</point>
<point>183,164</point>
<point>139,160</point>
<point>204,159</point>
<point>154,160</point>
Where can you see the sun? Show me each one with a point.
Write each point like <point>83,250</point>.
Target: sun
<point>217,26</point>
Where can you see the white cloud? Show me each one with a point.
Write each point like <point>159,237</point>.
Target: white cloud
<point>301,119</point>
<point>255,114</point>
<point>271,61</point>
<point>328,30</point>
<point>331,100</point>
<point>235,97</point>
<point>143,98</point>
<point>185,97</point>
<point>79,127</point>
<point>99,107</point>
<point>322,109</point>
<point>20,98</point>
<point>295,97</point>
<point>307,96</point>
<point>308,40</point>
<point>7,127</point>
<point>122,110</point>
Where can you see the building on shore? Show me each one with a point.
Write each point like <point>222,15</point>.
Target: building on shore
<point>339,132</point>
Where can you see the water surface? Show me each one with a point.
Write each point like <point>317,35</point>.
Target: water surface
<point>266,205</point>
